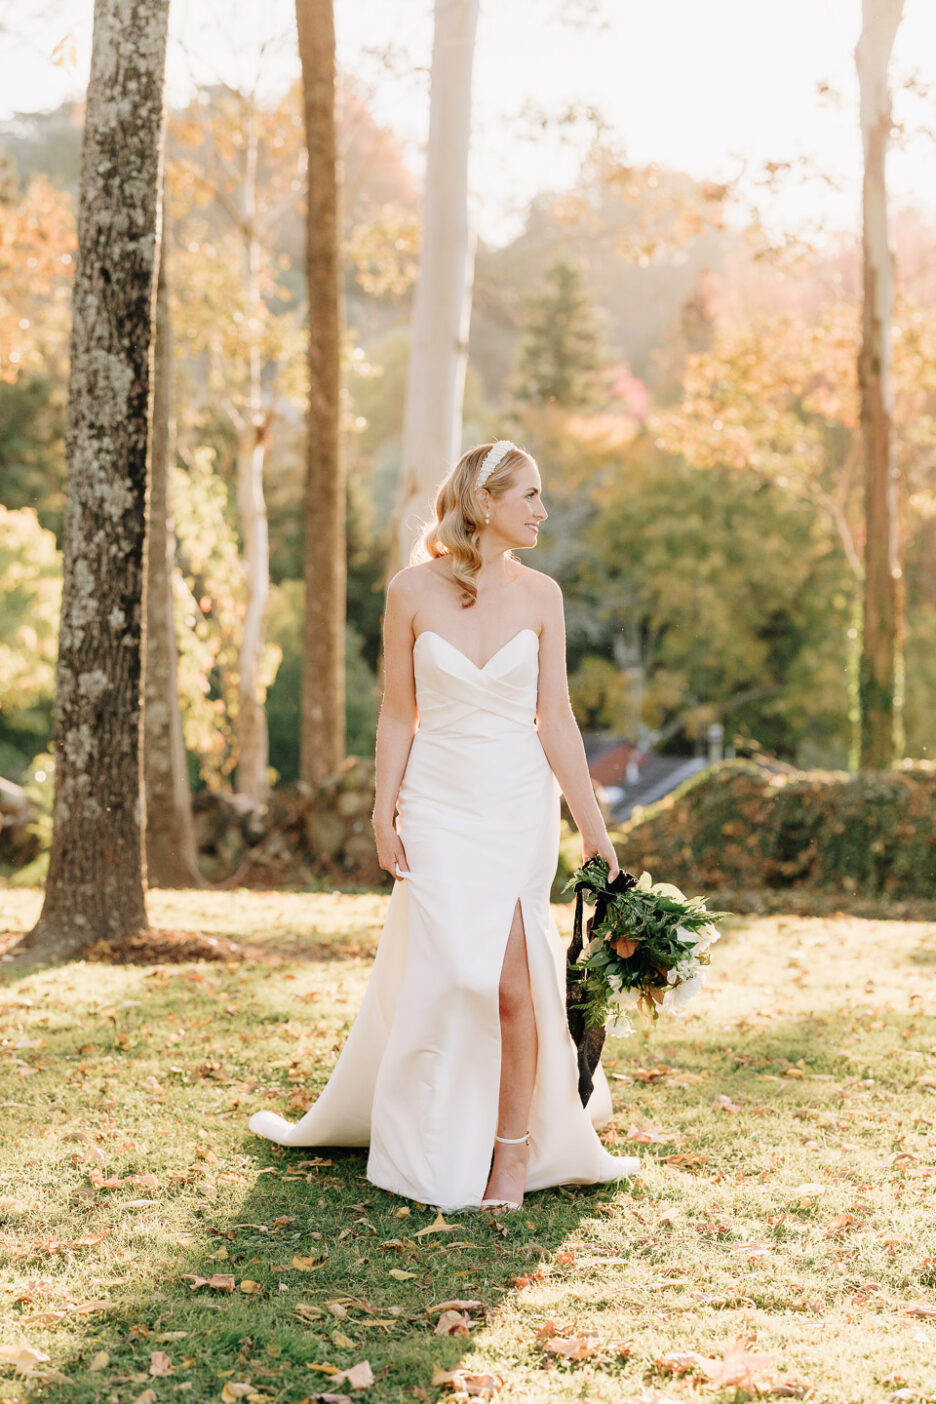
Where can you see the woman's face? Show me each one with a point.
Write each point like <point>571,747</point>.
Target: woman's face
<point>518,511</point>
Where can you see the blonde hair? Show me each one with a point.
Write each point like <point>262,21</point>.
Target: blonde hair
<point>459,515</point>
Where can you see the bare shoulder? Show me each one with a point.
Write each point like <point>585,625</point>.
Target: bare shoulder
<point>412,581</point>
<point>543,589</point>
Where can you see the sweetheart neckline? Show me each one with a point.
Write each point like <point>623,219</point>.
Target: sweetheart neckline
<point>484,666</point>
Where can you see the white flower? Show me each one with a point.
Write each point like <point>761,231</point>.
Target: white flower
<point>666,889</point>
<point>678,996</point>
<point>627,999</point>
<point>708,935</point>
<point>620,1027</point>
<point>687,937</point>
<point>645,882</point>
<point>614,981</point>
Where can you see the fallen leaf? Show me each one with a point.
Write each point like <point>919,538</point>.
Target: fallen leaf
<point>400,1275</point>
<point>738,1366</point>
<point>249,1287</point>
<point>309,1264</point>
<point>752,1250</point>
<point>342,1341</point>
<point>482,1386</point>
<point>572,1347</point>
<point>360,1376</point>
<point>99,1361</point>
<point>921,1309</point>
<point>652,1135</point>
<point>723,1103</point>
<point>438,1225</point>
<point>453,1323</point>
<point>160,1364</point>
<point>21,1357</point>
<point>147,1397</point>
<point>457,1305</point>
<point>235,1390</point>
<point>219,1281</point>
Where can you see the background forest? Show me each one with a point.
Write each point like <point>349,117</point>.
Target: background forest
<point>686,381</point>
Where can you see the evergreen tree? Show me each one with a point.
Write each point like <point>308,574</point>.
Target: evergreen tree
<point>561,354</point>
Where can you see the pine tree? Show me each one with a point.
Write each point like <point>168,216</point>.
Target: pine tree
<point>560,356</point>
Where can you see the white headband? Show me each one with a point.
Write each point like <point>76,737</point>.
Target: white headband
<point>492,458</point>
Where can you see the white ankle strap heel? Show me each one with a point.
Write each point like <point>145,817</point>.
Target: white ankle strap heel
<point>505,1203</point>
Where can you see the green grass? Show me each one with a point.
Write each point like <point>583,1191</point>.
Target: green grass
<point>799,1093</point>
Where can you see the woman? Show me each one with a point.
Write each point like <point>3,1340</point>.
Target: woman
<point>459,1072</point>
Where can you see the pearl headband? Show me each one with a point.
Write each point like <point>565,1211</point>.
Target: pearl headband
<point>494,455</point>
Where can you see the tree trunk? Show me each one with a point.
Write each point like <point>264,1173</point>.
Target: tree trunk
<point>882,625</point>
<point>442,305</point>
<point>322,739</point>
<point>252,736</point>
<point>95,883</point>
<point>171,855</point>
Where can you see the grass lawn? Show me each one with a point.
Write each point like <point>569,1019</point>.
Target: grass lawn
<point>787,1201</point>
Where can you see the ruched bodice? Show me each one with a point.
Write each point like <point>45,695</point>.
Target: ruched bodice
<point>455,696</point>
<point>418,1078</point>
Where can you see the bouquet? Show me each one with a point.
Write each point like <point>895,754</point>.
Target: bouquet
<point>647,950</point>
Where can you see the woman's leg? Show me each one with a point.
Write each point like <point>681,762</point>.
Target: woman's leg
<point>518,1066</point>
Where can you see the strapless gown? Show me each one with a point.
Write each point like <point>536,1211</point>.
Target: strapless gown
<point>418,1077</point>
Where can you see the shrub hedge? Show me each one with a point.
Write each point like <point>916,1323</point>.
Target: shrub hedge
<point>752,825</point>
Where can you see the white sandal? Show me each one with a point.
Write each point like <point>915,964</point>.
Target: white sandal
<point>505,1203</point>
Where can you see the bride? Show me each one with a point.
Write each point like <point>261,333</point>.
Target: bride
<point>459,1072</point>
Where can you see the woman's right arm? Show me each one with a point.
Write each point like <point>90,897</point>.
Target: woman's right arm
<point>396,725</point>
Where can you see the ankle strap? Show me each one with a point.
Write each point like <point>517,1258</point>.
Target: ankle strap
<point>513,1140</point>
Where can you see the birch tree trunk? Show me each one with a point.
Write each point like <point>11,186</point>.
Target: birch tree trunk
<point>252,736</point>
<point>442,306</point>
<point>879,679</point>
<point>171,855</point>
<point>95,884</point>
<point>322,739</point>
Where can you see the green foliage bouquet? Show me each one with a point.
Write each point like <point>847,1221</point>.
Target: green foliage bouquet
<point>648,947</point>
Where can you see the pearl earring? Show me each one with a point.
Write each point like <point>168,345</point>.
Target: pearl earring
<point>487,516</point>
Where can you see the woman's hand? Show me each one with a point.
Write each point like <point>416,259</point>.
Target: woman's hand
<point>390,852</point>
<point>601,846</point>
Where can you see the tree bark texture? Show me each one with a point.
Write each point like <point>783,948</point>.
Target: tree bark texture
<point>442,306</point>
<point>251,777</point>
<point>882,622</point>
<point>323,664</point>
<point>95,884</point>
<point>171,854</point>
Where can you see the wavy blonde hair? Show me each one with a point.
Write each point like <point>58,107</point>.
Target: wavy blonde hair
<point>459,516</point>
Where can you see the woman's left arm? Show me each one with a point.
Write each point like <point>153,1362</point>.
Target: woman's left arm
<point>560,736</point>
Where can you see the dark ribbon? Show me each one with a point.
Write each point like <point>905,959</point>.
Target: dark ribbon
<point>588,1041</point>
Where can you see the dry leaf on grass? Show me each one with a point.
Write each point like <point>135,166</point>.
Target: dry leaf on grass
<point>723,1103</point>
<point>454,1323</point>
<point>652,1135</point>
<point>572,1347</point>
<point>235,1390</point>
<point>249,1287</point>
<point>438,1225</point>
<point>21,1357</point>
<point>218,1281</point>
<point>457,1304</point>
<point>360,1376</point>
<point>738,1367</point>
<point>309,1264</point>
<point>160,1364</point>
<point>400,1275</point>
<point>100,1361</point>
<point>921,1309</point>
<point>480,1386</point>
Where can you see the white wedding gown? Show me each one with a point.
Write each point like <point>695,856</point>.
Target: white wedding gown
<point>417,1079</point>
